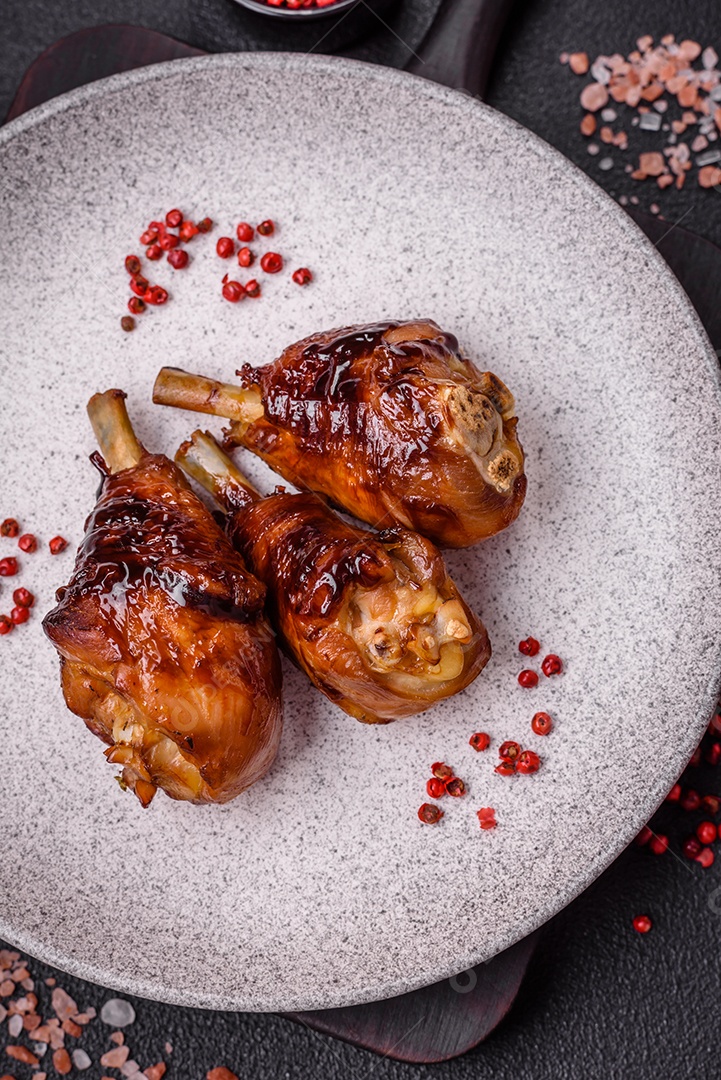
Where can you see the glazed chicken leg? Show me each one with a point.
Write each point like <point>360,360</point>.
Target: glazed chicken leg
<point>375,621</point>
<point>389,421</point>
<point>165,651</point>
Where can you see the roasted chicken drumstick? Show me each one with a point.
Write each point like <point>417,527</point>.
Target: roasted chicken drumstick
<point>165,650</point>
<point>389,421</point>
<point>375,621</point>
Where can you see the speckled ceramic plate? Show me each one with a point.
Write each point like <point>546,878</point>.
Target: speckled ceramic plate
<point>319,887</point>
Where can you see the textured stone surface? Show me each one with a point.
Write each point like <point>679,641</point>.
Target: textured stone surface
<point>616,541</point>
<point>531,85</point>
<point>595,1004</point>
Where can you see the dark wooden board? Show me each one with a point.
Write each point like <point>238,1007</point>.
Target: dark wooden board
<point>459,48</point>
<point>89,55</point>
<point>438,1022</point>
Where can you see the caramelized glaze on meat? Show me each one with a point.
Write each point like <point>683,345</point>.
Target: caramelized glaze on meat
<point>375,621</point>
<point>165,651</point>
<point>389,421</point>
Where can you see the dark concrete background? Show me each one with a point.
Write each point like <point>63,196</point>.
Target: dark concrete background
<point>599,1001</point>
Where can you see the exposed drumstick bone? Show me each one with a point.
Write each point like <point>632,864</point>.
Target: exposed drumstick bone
<point>184,390</point>
<point>202,458</point>
<point>113,430</point>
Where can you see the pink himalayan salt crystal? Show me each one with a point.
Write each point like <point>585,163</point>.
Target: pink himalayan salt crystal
<point>651,163</point>
<point>594,97</point>
<point>115,1058</point>
<point>709,176</point>
<point>689,50</point>
<point>63,1005</point>
<point>709,58</point>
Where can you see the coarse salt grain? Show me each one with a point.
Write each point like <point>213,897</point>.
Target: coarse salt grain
<point>81,1060</point>
<point>15,1025</point>
<point>155,1072</point>
<point>640,81</point>
<point>578,63</point>
<point>600,73</point>
<point>21,1053</point>
<point>117,1013</point>
<point>709,176</point>
<point>651,164</point>
<point>115,1058</point>
<point>57,1038</point>
<point>62,1062</point>
<point>63,1005</point>
<point>709,58</point>
<point>594,97</point>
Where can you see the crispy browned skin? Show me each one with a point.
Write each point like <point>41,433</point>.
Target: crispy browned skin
<point>165,651</point>
<point>389,421</point>
<point>375,621</point>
